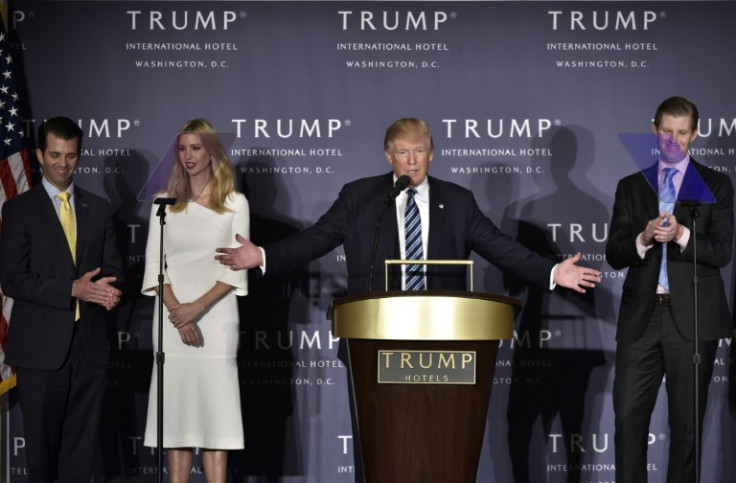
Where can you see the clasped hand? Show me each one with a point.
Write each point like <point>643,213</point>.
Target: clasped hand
<point>182,317</point>
<point>100,291</point>
<point>662,229</point>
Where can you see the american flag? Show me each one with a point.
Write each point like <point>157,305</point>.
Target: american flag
<point>15,177</point>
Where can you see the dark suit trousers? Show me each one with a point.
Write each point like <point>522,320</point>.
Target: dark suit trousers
<point>640,366</point>
<point>61,414</point>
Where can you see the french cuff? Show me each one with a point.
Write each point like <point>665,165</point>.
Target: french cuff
<point>263,256</point>
<point>552,283</point>
<point>684,238</point>
<point>642,249</point>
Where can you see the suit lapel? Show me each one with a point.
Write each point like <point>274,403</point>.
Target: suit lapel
<point>389,237</point>
<point>81,208</point>
<point>437,226</point>
<point>389,226</point>
<point>437,221</point>
<point>694,187</point>
<point>49,217</point>
<point>649,194</point>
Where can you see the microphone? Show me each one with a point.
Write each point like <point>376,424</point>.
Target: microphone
<point>162,202</point>
<point>693,205</point>
<point>399,186</point>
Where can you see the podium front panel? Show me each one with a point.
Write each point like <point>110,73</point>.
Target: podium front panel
<point>429,427</point>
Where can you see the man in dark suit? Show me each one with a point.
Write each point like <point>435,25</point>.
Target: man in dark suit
<point>452,226</point>
<point>655,324</point>
<point>59,261</point>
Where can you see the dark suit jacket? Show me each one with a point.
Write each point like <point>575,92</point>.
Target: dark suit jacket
<point>456,227</point>
<point>637,203</point>
<point>37,271</point>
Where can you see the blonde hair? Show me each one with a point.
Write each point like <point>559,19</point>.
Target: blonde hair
<point>223,175</point>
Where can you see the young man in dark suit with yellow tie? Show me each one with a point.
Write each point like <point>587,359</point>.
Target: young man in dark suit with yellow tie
<point>59,262</point>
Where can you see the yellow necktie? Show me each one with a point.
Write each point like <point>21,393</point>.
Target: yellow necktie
<point>67,224</point>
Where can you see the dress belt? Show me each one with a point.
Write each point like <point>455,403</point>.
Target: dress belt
<point>663,299</point>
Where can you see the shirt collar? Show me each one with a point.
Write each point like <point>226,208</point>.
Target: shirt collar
<point>680,166</point>
<point>53,190</point>
<point>422,189</point>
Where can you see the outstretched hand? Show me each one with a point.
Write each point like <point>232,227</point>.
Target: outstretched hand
<point>246,256</point>
<point>570,275</point>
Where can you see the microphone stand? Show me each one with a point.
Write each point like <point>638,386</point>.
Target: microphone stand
<point>696,342</point>
<point>160,356</point>
<point>388,203</point>
<point>399,186</point>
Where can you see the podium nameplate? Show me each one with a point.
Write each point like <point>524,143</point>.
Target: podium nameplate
<point>426,367</point>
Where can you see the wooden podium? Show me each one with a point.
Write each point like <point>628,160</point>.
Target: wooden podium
<point>422,369</point>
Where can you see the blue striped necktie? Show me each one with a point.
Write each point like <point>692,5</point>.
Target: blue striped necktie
<point>666,203</point>
<point>414,251</point>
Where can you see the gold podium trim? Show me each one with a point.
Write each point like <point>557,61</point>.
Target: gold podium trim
<point>427,315</point>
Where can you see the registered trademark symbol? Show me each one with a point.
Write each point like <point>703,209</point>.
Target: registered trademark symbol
<point>662,14</point>
<point>557,122</point>
<point>453,14</point>
<point>347,122</point>
<point>137,122</point>
<point>558,333</point>
<point>243,15</point>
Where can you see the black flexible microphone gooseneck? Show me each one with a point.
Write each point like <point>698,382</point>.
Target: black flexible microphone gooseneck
<point>399,186</point>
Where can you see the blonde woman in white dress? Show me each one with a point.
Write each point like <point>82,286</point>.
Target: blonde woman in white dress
<point>200,331</point>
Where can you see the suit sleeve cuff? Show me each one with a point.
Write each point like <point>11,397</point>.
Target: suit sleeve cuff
<point>641,249</point>
<point>684,238</point>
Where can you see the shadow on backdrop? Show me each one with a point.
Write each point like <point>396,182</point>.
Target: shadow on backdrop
<point>559,345</point>
<point>131,356</point>
<point>266,361</point>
